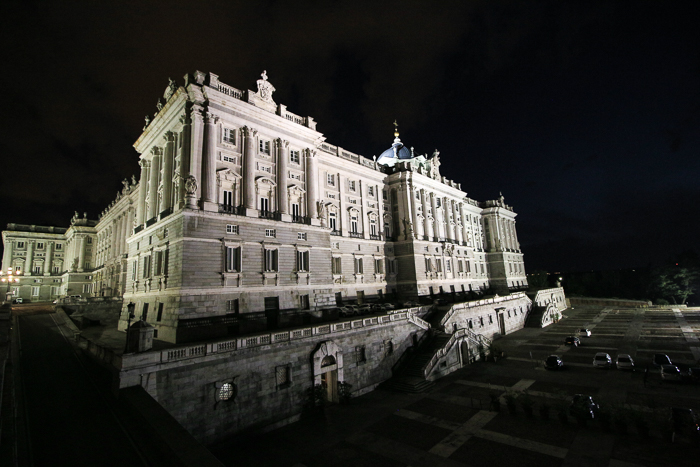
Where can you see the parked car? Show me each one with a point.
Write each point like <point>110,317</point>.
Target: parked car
<point>583,406</point>
<point>685,422</point>
<point>660,359</point>
<point>584,332</point>
<point>553,362</point>
<point>602,360</point>
<point>17,300</point>
<point>346,311</point>
<point>624,362</point>
<point>572,340</point>
<point>365,309</point>
<point>670,373</point>
<point>389,306</point>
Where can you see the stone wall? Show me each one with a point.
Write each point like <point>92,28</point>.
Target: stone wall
<point>272,373</point>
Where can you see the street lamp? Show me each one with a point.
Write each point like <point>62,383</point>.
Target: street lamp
<point>130,310</point>
<point>9,279</point>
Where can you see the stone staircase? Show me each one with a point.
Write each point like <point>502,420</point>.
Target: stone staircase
<point>410,377</point>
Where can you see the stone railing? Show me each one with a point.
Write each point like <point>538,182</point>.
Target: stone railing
<point>477,340</point>
<point>230,91</point>
<point>474,303</point>
<point>544,297</point>
<point>129,361</point>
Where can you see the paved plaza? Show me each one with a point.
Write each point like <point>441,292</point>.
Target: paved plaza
<point>452,424</point>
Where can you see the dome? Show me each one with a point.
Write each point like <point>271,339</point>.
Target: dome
<point>396,152</point>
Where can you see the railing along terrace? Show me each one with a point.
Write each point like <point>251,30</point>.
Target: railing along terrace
<point>337,233</point>
<point>356,234</point>
<point>230,91</point>
<point>270,338</point>
<point>474,303</point>
<point>229,209</point>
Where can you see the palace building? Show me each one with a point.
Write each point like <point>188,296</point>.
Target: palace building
<point>243,207</point>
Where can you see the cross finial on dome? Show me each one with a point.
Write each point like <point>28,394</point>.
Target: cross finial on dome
<point>396,129</point>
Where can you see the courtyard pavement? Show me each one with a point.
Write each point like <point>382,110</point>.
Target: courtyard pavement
<point>451,425</point>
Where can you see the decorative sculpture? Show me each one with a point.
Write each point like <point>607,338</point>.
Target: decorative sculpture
<point>191,185</point>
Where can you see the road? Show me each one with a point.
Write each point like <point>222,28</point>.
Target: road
<point>69,420</point>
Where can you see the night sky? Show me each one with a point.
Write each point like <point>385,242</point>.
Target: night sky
<point>585,115</point>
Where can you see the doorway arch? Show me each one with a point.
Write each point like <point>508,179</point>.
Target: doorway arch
<point>328,368</point>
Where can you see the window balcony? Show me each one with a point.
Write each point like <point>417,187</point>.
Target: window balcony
<point>337,233</point>
<point>375,237</point>
<point>151,221</point>
<point>356,234</point>
<point>229,209</point>
<point>301,220</point>
<point>275,216</point>
<point>426,238</point>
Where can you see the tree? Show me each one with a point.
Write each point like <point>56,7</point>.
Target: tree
<point>676,283</point>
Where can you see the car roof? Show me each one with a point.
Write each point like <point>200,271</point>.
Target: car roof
<point>600,354</point>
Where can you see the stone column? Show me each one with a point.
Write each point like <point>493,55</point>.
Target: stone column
<point>282,195</point>
<point>195,149</point>
<point>455,218</point>
<point>311,186</point>
<point>166,202</point>
<point>515,237</point>
<point>140,207</point>
<point>424,204</point>
<point>47,258</point>
<point>363,211</point>
<point>7,255</point>
<point>248,168</point>
<point>117,236</point>
<point>153,185</point>
<point>185,155</point>
<point>30,257</point>
<point>209,163</point>
<point>414,209</point>
<point>126,232</point>
<point>380,212</point>
<point>436,217</point>
<point>81,253</point>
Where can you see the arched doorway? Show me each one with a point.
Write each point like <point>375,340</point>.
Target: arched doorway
<point>328,368</point>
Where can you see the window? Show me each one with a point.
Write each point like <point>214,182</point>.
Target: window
<point>35,291</point>
<point>158,266</point>
<point>370,190</point>
<point>159,316</point>
<point>270,233</point>
<point>89,240</point>
<point>353,223</point>
<point>490,319</point>
<point>18,269</point>
<point>228,198</point>
<point>330,180</point>
<point>264,204</point>
<point>385,196</point>
<point>448,265</point>
<point>360,354</point>
<point>294,156</point>
<point>438,264</point>
<point>418,195</point>
<point>232,306</point>
<point>37,270</point>
<point>460,266</point>
<point>282,376</point>
<point>232,259</point>
<point>134,270</point>
<point>302,261</point>
<point>373,227</point>
<point>359,267</point>
<point>54,290</point>
<point>296,210</point>
<point>232,229</point>
<point>335,245</point>
<point>264,146</point>
<point>40,246</point>
<point>55,270</point>
<point>20,244</point>
<point>146,267</point>
<point>438,202</point>
<point>378,266</point>
<point>332,221</point>
<point>428,265</point>
<point>301,236</point>
<point>351,185</point>
<point>270,259</point>
<point>229,136</point>
<point>59,246</point>
<point>390,266</point>
<point>87,288</point>
<point>336,265</point>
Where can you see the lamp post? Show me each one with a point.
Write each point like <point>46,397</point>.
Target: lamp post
<point>130,310</point>
<point>9,279</point>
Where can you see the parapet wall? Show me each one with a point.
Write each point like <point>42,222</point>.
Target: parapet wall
<point>272,374</point>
